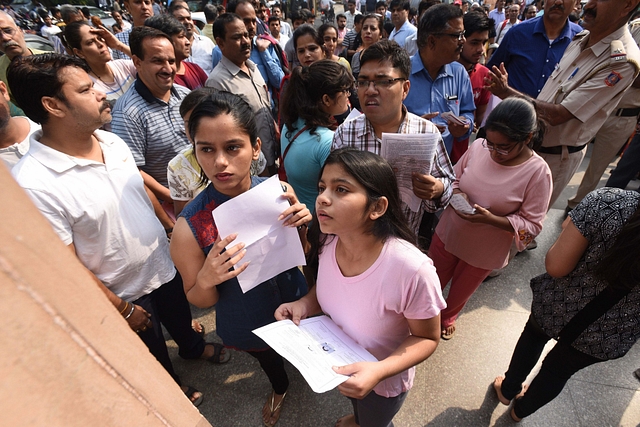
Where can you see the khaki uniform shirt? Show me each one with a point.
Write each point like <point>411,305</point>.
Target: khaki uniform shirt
<point>589,96</point>
<point>252,88</point>
<point>631,98</point>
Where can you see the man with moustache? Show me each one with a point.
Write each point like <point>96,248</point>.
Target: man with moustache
<point>531,49</point>
<point>147,116</point>
<point>238,74</point>
<point>12,45</point>
<point>263,51</point>
<point>85,183</point>
<point>439,84</point>
<point>139,10</point>
<point>585,87</point>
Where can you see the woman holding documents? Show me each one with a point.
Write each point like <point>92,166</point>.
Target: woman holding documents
<point>508,187</point>
<point>223,130</point>
<point>374,284</point>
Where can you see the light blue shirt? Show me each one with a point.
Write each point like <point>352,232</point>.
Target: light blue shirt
<point>451,91</point>
<point>401,35</point>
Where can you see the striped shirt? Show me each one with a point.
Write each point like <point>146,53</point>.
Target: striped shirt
<point>359,133</point>
<point>153,129</point>
<point>123,36</point>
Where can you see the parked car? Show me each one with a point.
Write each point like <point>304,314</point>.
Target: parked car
<point>105,17</point>
<point>36,42</point>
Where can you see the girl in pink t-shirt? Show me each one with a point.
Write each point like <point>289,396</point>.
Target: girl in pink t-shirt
<point>509,186</point>
<point>374,284</point>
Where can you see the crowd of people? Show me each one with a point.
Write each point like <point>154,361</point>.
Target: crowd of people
<point>128,137</point>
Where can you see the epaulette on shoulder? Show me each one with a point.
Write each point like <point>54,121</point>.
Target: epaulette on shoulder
<point>581,34</point>
<point>618,53</point>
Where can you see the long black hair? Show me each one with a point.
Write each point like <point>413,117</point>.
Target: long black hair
<point>307,86</point>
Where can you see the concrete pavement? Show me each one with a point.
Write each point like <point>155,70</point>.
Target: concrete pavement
<point>453,387</point>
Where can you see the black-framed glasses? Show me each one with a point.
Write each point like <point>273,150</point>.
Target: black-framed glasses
<point>459,36</point>
<point>378,83</point>
<point>492,147</point>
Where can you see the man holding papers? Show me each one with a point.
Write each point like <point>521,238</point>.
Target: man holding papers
<point>382,85</point>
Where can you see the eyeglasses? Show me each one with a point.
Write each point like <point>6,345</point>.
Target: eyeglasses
<point>377,84</point>
<point>459,36</point>
<point>491,147</point>
<point>9,31</point>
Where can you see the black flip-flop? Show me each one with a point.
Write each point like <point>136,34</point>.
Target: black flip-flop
<point>189,393</point>
<point>218,358</point>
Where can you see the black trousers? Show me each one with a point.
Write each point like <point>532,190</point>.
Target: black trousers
<point>168,306</point>
<point>273,365</point>
<point>558,366</point>
<point>628,166</point>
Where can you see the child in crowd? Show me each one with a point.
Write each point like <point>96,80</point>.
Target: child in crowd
<point>509,186</point>
<point>224,134</point>
<point>376,285</point>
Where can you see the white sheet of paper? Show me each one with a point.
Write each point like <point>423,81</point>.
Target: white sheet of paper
<point>409,153</point>
<point>271,248</point>
<point>460,204</point>
<point>353,114</point>
<point>313,348</point>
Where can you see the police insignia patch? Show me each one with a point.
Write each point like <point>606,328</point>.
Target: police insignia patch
<point>612,79</point>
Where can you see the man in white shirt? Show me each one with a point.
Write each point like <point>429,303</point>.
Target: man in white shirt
<point>351,13</point>
<point>86,184</point>
<point>505,26</point>
<point>400,19</point>
<point>49,30</point>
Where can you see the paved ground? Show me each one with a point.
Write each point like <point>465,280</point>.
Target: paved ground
<point>452,388</point>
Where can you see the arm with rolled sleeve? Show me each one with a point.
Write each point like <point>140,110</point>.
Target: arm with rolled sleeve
<point>527,221</point>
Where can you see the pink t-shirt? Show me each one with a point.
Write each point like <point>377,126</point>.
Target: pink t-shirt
<point>373,307</point>
<point>521,193</point>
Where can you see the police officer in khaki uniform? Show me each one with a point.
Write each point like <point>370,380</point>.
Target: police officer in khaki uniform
<point>613,134</point>
<point>586,86</point>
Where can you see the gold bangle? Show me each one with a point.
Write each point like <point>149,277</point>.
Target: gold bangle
<point>126,303</point>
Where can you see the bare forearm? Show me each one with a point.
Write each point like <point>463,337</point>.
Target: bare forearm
<point>411,352</point>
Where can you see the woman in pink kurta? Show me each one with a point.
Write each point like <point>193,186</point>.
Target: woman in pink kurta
<point>509,186</point>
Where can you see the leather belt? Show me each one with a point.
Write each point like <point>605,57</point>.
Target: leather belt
<point>627,112</point>
<point>558,149</point>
